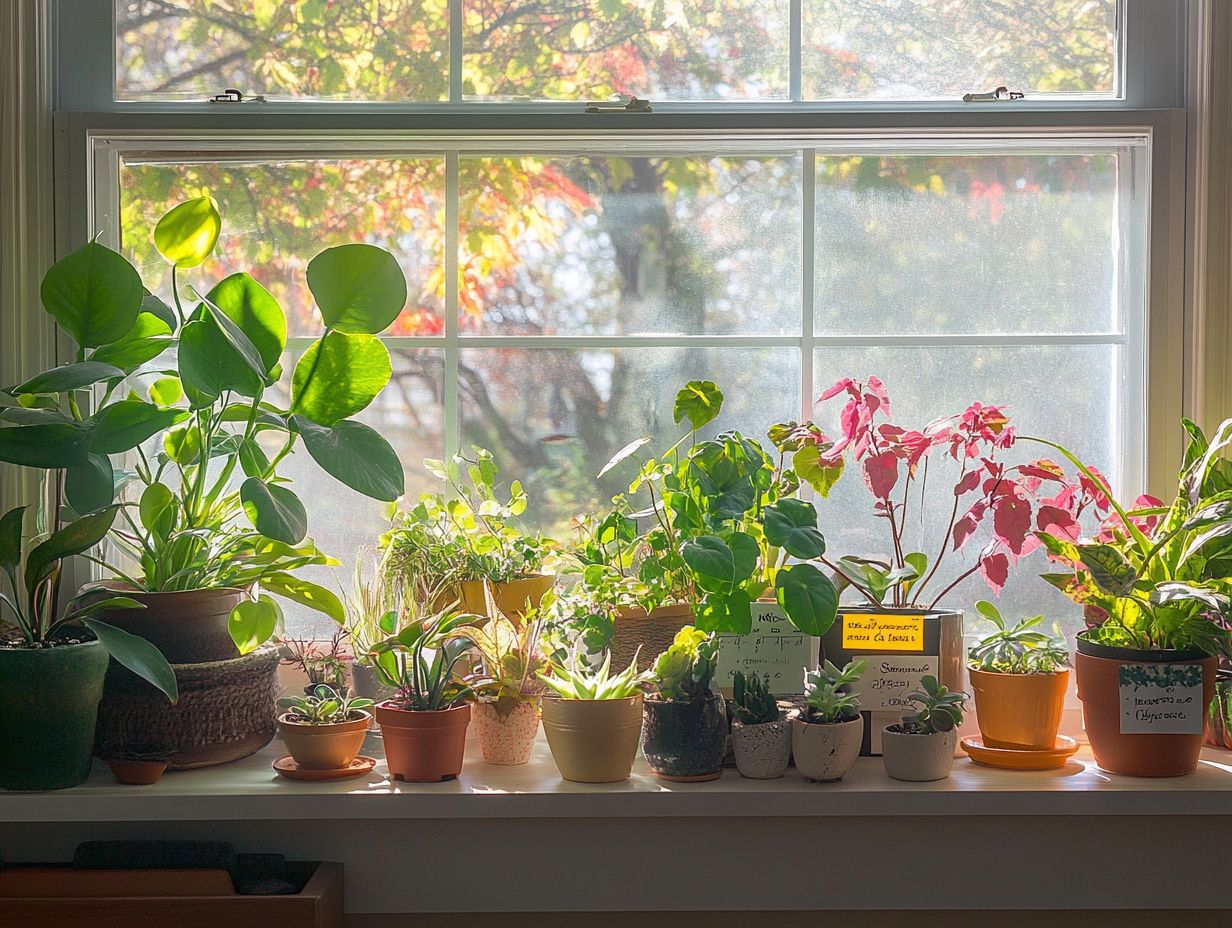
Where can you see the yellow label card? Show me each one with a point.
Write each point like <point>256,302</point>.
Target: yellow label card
<point>863,630</point>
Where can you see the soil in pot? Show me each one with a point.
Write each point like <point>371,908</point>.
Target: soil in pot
<point>423,747</point>
<point>48,708</point>
<point>1019,710</point>
<point>188,626</point>
<point>593,740</point>
<point>137,772</point>
<point>762,751</point>
<point>684,740</point>
<point>507,740</point>
<point>915,757</point>
<point>324,747</point>
<point>825,751</point>
<point>1171,750</point>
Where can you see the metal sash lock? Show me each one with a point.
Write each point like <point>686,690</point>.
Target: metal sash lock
<point>1000,95</point>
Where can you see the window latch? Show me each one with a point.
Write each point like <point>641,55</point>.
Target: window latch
<point>231,95</point>
<point>632,105</point>
<point>1000,95</point>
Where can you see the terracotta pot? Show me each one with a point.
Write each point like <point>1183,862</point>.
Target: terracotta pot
<point>423,747</point>
<point>593,740</point>
<point>137,772</point>
<point>646,634</point>
<point>762,751</point>
<point>1019,710</point>
<point>508,598</point>
<point>1218,732</point>
<point>324,747</point>
<point>189,627</point>
<point>1097,668</point>
<point>918,758</point>
<point>826,751</point>
<point>685,740</point>
<point>48,708</point>
<point>507,741</point>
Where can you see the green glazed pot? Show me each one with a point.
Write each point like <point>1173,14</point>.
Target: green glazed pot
<point>48,706</point>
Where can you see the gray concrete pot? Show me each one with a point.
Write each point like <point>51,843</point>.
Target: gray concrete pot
<point>918,758</point>
<point>762,751</point>
<point>826,751</point>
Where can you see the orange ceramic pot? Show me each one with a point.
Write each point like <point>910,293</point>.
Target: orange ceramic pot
<point>1097,669</point>
<point>1019,710</point>
<point>423,747</point>
<point>137,772</point>
<point>324,747</point>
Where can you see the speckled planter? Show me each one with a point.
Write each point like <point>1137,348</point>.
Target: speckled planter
<point>762,751</point>
<point>685,741</point>
<point>825,751</point>
<point>918,758</point>
<point>507,741</point>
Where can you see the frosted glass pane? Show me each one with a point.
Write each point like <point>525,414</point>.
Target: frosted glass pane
<point>554,417</point>
<point>941,49</point>
<point>591,245</point>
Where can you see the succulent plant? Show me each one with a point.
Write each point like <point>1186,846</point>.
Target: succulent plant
<point>752,701</point>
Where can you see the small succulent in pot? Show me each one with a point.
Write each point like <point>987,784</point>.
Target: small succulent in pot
<point>921,747</point>
<point>826,737</point>
<point>761,737</point>
<point>325,705</point>
<point>324,729</point>
<point>685,736</point>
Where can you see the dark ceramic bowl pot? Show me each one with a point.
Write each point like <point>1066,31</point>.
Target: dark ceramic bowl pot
<point>686,741</point>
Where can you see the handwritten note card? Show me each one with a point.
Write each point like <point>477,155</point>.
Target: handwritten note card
<point>883,632</point>
<point>1161,699</point>
<point>889,680</point>
<point>773,647</point>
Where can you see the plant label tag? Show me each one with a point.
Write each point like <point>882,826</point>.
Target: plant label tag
<point>875,632</point>
<point>773,647</point>
<point>889,680</point>
<point>1161,699</point>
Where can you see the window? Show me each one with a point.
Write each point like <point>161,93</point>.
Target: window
<point>800,207</point>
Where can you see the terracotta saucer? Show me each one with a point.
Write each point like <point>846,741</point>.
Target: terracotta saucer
<point>1020,758</point>
<point>287,767</point>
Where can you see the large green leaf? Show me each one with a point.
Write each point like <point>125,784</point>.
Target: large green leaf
<point>724,613</point>
<point>124,425</point>
<point>187,234</point>
<point>818,474</point>
<point>94,294</point>
<point>699,401</point>
<point>710,558</point>
<point>359,288</point>
<point>149,337</point>
<point>356,455</point>
<point>156,509</point>
<point>791,524</point>
<point>209,367</point>
<point>69,377</point>
<point>10,538</point>
<point>257,314</point>
<point>138,655</point>
<point>1109,569</point>
<point>338,376</point>
<point>807,597</point>
<point>74,538</point>
<point>274,511</point>
<point>252,623</point>
<point>90,485</point>
<point>305,593</point>
<point>51,445</point>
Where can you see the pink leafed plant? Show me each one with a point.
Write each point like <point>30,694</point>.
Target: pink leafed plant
<point>895,463</point>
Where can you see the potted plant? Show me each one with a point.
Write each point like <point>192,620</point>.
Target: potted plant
<point>761,737</point>
<point>507,687</point>
<point>53,664</point>
<point>324,730</point>
<point>371,602</point>
<point>826,736</point>
<point>1019,677</point>
<point>1156,588</point>
<point>921,747</point>
<point>594,721</point>
<point>424,724</point>
<point>684,736</point>
<point>320,664</point>
<point>138,763</point>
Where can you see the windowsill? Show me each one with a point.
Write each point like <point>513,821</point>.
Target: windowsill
<point>249,789</point>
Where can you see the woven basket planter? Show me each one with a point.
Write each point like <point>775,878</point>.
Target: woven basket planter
<point>652,632</point>
<point>226,710</point>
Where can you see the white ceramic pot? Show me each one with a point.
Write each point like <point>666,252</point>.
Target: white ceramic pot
<point>762,751</point>
<point>826,751</point>
<point>917,758</point>
<point>507,741</point>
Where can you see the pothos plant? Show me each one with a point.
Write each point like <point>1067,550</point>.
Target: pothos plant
<point>206,506</point>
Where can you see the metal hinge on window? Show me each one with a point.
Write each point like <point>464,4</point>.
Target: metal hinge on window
<point>632,105</point>
<point>1000,95</point>
<point>230,95</point>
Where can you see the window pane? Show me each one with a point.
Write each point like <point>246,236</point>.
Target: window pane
<point>976,243</point>
<point>585,245</point>
<point>942,49</point>
<point>1077,396</point>
<point>278,215</point>
<point>553,418</point>
<point>285,49</point>
<point>592,49</point>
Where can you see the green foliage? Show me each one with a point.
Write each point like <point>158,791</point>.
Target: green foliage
<point>683,672</point>
<point>324,706</point>
<point>511,655</point>
<point>940,710</point>
<point>186,236</point>
<point>752,701</point>
<point>94,294</point>
<point>1017,649</point>
<point>826,699</point>
<point>419,655</point>
<point>576,679</point>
